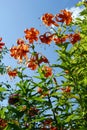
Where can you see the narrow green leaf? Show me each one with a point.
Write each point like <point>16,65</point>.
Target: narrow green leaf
<point>2,89</point>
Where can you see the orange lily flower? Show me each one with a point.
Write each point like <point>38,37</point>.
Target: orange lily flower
<point>1,43</point>
<point>20,41</point>
<point>47,71</point>
<point>33,62</point>
<point>44,128</point>
<point>48,121</point>
<point>60,40</point>
<point>13,99</point>
<point>53,128</point>
<point>46,38</point>
<point>48,19</point>
<point>3,123</point>
<point>36,60</point>
<point>31,35</point>
<point>19,52</point>
<point>67,89</point>
<point>74,38</point>
<point>33,111</point>
<point>39,90</point>
<point>12,73</point>
<point>64,16</point>
<point>43,59</point>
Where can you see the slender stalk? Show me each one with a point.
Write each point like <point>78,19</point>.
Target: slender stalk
<point>53,111</point>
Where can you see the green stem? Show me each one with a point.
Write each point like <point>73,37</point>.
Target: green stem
<point>53,111</point>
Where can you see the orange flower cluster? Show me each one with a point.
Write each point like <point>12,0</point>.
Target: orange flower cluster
<point>48,123</point>
<point>47,71</point>
<point>39,90</point>
<point>31,34</point>
<point>59,40</point>
<point>53,128</point>
<point>20,41</point>
<point>12,73</point>
<point>43,59</point>
<point>19,52</point>
<point>67,89</point>
<point>35,61</point>
<point>48,19</point>
<point>43,128</point>
<point>32,63</point>
<point>67,71</point>
<point>13,99</point>
<point>64,16</point>
<point>1,43</point>
<point>46,38</point>
<point>42,92</point>
<point>33,111</point>
<point>3,123</point>
<point>74,38</point>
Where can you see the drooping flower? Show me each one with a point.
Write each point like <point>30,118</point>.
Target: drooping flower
<point>46,37</point>
<point>67,71</point>
<point>39,90</point>
<point>13,52</point>
<point>31,35</point>
<point>32,65</point>
<point>59,40</point>
<point>0,39</point>
<point>19,52</point>
<point>74,38</point>
<point>67,89</point>
<point>12,73</point>
<point>1,43</point>
<point>64,17</point>
<point>20,41</point>
<point>13,99</point>
<point>48,121</point>
<point>43,59</point>
<point>53,128</point>
<point>35,60</point>
<point>47,71</point>
<point>3,123</point>
<point>33,111</point>
<point>42,92</point>
<point>48,19</point>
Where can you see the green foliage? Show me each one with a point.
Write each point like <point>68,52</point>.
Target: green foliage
<point>45,99</point>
